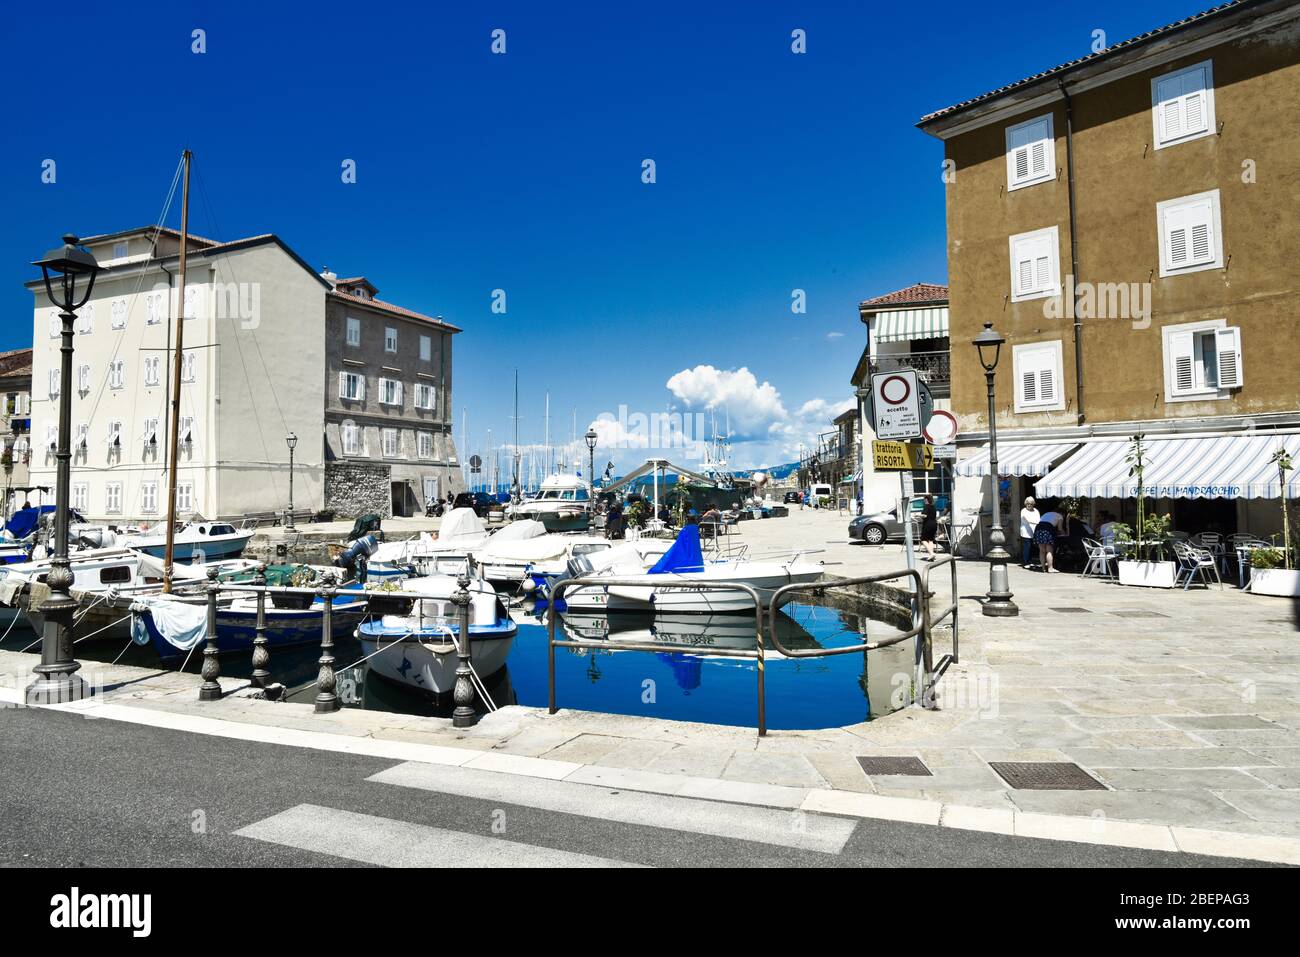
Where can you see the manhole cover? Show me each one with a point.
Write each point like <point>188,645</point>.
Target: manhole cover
<point>1137,613</point>
<point>893,764</point>
<point>1046,776</point>
<point>1073,611</point>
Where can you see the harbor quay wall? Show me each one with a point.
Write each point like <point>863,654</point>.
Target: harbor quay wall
<point>358,488</point>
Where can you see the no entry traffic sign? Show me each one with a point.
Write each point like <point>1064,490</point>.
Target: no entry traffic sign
<point>896,398</point>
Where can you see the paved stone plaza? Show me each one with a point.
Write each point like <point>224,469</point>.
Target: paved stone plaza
<point>1184,705</point>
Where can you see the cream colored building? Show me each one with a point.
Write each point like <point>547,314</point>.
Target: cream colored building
<point>254,355</point>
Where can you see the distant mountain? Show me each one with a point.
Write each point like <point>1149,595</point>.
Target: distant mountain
<point>781,471</point>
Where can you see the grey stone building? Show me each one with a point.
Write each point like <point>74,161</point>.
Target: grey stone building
<point>388,421</point>
<point>15,421</point>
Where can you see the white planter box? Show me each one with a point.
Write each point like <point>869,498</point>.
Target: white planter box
<point>1148,574</point>
<point>1282,582</point>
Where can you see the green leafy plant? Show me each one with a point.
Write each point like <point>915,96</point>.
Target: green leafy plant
<point>1136,459</point>
<point>1157,534</point>
<point>1263,558</point>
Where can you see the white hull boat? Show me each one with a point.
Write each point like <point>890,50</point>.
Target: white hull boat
<point>419,649</point>
<point>682,582</point>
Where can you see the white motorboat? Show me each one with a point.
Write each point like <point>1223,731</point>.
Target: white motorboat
<point>633,557</point>
<point>513,561</point>
<point>682,581</point>
<point>418,648</point>
<point>562,504</point>
<point>193,542</point>
<point>461,531</point>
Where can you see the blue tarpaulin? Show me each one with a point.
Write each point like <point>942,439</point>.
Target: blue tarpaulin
<point>24,521</point>
<point>685,554</point>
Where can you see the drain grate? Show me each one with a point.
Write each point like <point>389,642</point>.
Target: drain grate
<point>893,764</point>
<point>1046,776</point>
<point>1073,611</point>
<point>1137,613</point>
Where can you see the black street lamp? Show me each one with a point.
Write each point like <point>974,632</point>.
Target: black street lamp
<point>997,603</point>
<point>57,679</point>
<point>591,438</point>
<point>290,440</point>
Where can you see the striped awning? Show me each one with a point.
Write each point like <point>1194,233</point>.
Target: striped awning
<point>1222,466</point>
<point>1017,458</point>
<point>902,325</point>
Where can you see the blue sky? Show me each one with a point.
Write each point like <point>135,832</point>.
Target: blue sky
<point>523,172</point>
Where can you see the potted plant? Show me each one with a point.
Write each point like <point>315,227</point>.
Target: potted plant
<point>1272,570</point>
<point>301,577</point>
<point>1146,566</point>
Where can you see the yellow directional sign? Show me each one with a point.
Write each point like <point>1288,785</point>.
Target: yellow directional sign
<point>900,456</point>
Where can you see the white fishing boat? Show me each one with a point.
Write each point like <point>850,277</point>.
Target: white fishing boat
<point>682,581</point>
<point>418,648</point>
<point>193,542</point>
<point>562,504</point>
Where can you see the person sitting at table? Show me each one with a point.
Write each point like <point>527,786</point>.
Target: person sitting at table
<point>1107,532</point>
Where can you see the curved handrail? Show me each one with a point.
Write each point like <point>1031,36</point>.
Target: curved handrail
<point>820,587</point>
<point>757,654</point>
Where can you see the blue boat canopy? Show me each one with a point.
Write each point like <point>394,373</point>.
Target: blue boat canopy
<point>685,554</point>
<point>24,521</point>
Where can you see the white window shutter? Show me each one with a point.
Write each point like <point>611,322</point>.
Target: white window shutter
<point>398,400</point>
<point>361,388</point>
<point>1046,381</point>
<point>1182,362</point>
<point>1028,386</point>
<point>1228,349</point>
<point>343,385</point>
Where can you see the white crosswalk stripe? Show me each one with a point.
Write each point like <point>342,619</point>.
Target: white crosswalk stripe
<point>389,843</point>
<point>783,828</point>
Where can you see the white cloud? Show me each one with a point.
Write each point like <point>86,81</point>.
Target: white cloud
<point>752,406</point>
<point>834,335</point>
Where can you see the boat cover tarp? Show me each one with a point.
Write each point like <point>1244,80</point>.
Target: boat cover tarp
<point>24,521</point>
<point>519,531</point>
<point>684,556</point>
<point>181,624</point>
<point>460,523</point>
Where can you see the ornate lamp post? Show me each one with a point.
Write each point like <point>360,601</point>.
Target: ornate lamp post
<point>997,603</point>
<point>290,440</point>
<point>591,438</point>
<point>57,679</point>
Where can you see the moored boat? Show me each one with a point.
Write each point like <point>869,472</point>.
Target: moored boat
<point>418,649</point>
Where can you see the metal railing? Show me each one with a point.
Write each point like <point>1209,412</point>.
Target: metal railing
<point>930,619</point>
<point>919,630</point>
<point>757,653</point>
<point>929,366</point>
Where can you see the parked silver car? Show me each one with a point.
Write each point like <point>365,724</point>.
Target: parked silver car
<point>881,527</point>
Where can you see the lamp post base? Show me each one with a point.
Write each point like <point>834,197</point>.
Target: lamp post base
<point>1001,608</point>
<point>59,688</point>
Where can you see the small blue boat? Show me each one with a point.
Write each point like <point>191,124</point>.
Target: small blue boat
<point>237,626</point>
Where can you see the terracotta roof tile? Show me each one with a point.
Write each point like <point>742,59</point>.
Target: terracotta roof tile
<point>1073,64</point>
<point>396,310</point>
<point>16,362</point>
<point>918,293</point>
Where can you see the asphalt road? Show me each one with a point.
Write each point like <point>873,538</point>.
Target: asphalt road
<point>99,793</point>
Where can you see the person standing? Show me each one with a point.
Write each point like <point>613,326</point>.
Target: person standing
<point>1029,519</point>
<point>1045,535</point>
<point>929,527</point>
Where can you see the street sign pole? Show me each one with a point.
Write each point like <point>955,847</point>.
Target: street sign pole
<point>906,516</point>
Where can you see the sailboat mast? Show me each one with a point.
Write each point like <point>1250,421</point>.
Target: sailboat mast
<point>174,427</point>
<point>548,433</point>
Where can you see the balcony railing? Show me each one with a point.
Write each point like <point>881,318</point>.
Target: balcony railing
<point>931,367</point>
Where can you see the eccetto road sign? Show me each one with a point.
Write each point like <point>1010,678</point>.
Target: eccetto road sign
<point>900,456</point>
<point>896,398</point>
